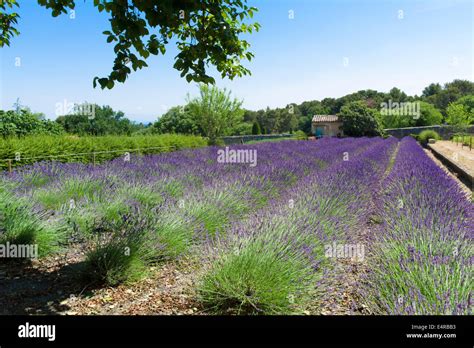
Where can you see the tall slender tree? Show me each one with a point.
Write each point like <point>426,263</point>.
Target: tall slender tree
<point>215,111</point>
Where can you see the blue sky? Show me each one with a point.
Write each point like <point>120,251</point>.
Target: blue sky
<point>330,48</point>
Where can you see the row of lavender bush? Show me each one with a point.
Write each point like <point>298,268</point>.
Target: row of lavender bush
<point>133,211</point>
<point>423,249</point>
<point>258,233</point>
<point>275,263</point>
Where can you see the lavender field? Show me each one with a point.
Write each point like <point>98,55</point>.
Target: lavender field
<point>334,226</point>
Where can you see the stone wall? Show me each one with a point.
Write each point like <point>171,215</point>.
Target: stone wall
<point>444,131</point>
<point>239,139</point>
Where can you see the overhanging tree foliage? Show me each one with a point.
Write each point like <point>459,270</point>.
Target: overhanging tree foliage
<point>206,32</point>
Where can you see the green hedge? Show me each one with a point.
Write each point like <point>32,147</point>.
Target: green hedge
<point>37,148</point>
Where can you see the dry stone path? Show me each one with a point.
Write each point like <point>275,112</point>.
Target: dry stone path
<point>461,156</point>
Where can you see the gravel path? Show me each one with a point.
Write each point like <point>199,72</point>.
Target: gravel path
<point>463,187</point>
<point>461,156</point>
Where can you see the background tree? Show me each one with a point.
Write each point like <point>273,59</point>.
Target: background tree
<point>177,120</point>
<point>359,120</point>
<point>24,122</point>
<point>458,117</point>
<point>397,95</point>
<point>467,103</point>
<point>331,105</point>
<point>429,116</point>
<point>206,32</point>
<point>215,112</point>
<point>307,110</point>
<point>451,92</point>
<point>256,128</point>
<point>106,121</point>
<point>461,112</point>
<point>396,121</point>
<point>243,128</point>
<point>432,89</point>
<point>370,97</point>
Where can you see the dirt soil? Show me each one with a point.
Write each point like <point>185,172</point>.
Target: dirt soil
<point>50,286</point>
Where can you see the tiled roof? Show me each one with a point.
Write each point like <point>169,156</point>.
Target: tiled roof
<point>325,118</point>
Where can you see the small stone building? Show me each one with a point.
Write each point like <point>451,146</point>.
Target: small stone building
<point>326,125</point>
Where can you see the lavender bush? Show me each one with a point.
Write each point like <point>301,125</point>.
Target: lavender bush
<point>260,232</point>
<point>423,251</point>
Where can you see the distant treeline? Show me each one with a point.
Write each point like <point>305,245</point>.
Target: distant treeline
<point>437,104</point>
<point>104,121</point>
<point>363,113</point>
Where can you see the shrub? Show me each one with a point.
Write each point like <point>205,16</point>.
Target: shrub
<point>256,280</point>
<point>120,252</point>
<point>464,138</point>
<point>300,135</point>
<point>216,142</point>
<point>428,134</point>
